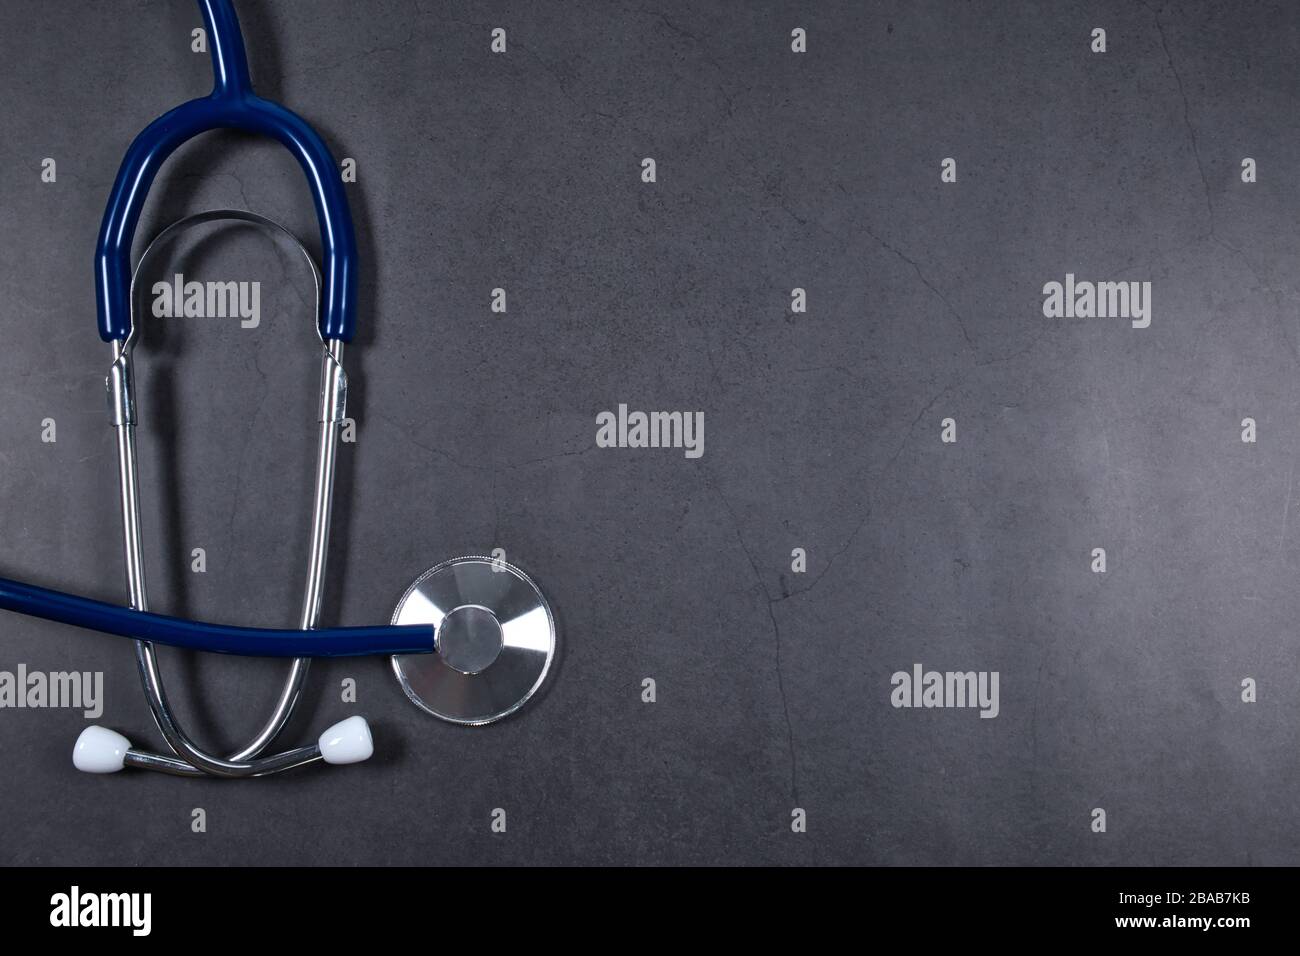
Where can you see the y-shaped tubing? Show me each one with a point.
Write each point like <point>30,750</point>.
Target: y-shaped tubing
<point>231,105</point>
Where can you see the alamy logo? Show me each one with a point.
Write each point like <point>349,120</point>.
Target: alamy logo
<point>683,430</point>
<point>74,689</point>
<point>208,300</point>
<point>75,908</point>
<point>1098,300</point>
<point>922,688</point>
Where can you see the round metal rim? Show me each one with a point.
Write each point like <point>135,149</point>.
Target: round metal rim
<point>397,660</point>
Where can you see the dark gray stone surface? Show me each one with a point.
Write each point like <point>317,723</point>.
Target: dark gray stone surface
<point>775,170</point>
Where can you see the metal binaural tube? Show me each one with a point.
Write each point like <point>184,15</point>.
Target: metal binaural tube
<point>143,760</point>
<point>244,762</point>
<point>332,408</point>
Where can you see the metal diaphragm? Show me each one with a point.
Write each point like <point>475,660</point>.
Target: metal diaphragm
<point>494,639</point>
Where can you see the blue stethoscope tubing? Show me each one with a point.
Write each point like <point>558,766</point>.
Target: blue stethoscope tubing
<point>231,105</point>
<point>216,638</point>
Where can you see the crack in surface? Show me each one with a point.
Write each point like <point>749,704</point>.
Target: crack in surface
<point>1213,234</point>
<point>493,467</point>
<point>1187,117</point>
<point>350,58</point>
<point>771,602</point>
<point>916,267</point>
<point>704,54</point>
<point>776,634</point>
<point>888,247</point>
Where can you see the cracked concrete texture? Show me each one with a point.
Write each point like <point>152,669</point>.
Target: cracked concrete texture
<point>477,430</point>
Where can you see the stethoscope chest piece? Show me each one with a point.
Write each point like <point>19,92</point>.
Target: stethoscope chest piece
<point>495,638</point>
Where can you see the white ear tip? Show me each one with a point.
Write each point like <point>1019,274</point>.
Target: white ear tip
<point>348,741</point>
<point>100,750</point>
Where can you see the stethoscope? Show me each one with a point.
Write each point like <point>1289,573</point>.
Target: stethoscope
<point>471,640</point>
